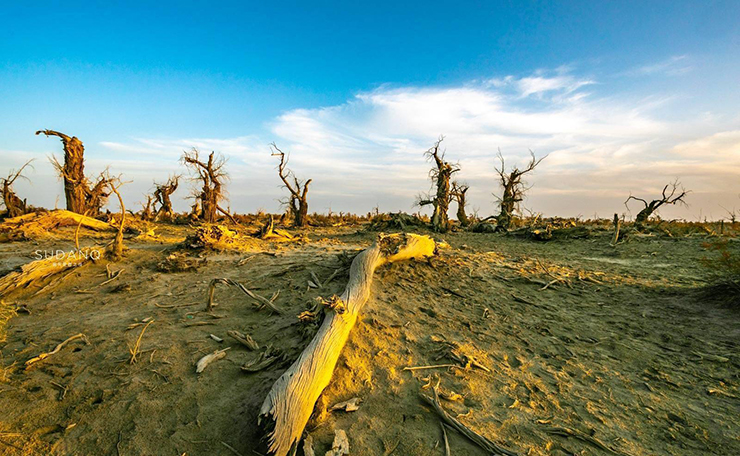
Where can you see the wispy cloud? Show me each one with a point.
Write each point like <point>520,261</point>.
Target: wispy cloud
<point>673,66</point>
<point>369,150</point>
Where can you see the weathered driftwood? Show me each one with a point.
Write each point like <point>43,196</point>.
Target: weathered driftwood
<point>291,400</point>
<point>40,222</point>
<point>244,339</point>
<point>39,270</point>
<point>202,363</point>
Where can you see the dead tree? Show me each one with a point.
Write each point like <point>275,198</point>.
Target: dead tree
<point>162,195</point>
<point>458,192</point>
<point>671,195</point>
<point>292,398</point>
<point>116,248</point>
<point>440,176</point>
<point>513,190</point>
<point>212,175</point>
<point>13,204</point>
<point>297,203</point>
<point>80,193</point>
<point>146,209</point>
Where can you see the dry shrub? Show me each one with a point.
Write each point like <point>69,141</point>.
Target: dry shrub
<point>219,237</point>
<point>332,219</point>
<point>724,270</point>
<point>396,222</point>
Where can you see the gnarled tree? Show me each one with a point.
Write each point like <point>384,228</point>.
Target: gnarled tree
<point>673,193</point>
<point>458,192</point>
<point>297,202</point>
<point>82,195</point>
<point>162,193</point>
<point>513,190</point>
<point>212,176</point>
<point>13,204</point>
<point>440,175</point>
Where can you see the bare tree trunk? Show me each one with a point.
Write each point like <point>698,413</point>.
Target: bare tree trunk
<point>80,195</point>
<point>115,250</point>
<point>289,404</point>
<point>162,195</point>
<point>459,191</point>
<point>73,170</point>
<point>616,229</point>
<point>212,176</point>
<point>301,217</point>
<point>440,176</point>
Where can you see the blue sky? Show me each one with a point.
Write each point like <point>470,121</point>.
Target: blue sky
<point>624,96</point>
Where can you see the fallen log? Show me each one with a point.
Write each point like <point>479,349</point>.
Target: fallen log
<point>291,400</point>
<point>42,223</point>
<point>38,271</point>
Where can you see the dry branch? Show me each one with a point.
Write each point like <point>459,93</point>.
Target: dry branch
<point>43,356</point>
<point>473,436</point>
<point>244,339</point>
<point>264,302</point>
<point>134,351</point>
<point>202,363</point>
<point>289,404</point>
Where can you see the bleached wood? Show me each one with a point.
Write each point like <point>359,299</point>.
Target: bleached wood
<point>40,270</point>
<point>291,400</point>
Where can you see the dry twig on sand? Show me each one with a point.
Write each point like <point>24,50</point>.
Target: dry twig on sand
<point>567,432</point>
<point>135,349</point>
<point>56,349</point>
<point>473,436</point>
<point>244,339</point>
<point>264,302</point>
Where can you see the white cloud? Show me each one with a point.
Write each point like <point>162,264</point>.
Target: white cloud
<point>673,66</point>
<point>369,150</point>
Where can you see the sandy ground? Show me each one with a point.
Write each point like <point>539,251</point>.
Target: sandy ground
<point>627,358</point>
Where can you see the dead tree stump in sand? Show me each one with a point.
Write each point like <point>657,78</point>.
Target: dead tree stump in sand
<point>291,400</point>
<point>440,175</point>
<point>212,175</point>
<point>14,206</point>
<point>297,203</point>
<point>458,192</point>
<point>116,248</point>
<point>80,193</point>
<point>162,193</point>
<point>513,190</point>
